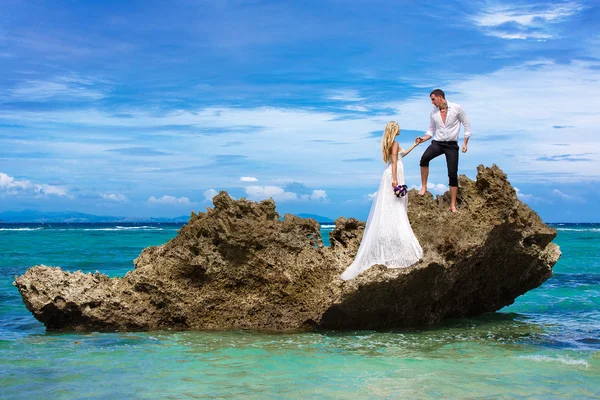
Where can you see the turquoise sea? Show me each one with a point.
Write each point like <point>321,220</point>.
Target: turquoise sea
<point>544,346</point>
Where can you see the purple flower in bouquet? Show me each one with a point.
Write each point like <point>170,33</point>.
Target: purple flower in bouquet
<point>400,190</point>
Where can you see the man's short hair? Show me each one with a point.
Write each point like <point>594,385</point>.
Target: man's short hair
<point>438,92</point>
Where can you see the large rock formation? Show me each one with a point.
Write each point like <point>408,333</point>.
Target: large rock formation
<point>239,266</point>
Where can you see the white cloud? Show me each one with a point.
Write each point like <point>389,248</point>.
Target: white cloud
<point>169,200</point>
<point>523,196</point>
<point>209,194</point>
<point>435,188</point>
<point>495,16</point>
<point>248,179</point>
<point>12,186</point>
<point>568,197</point>
<point>280,194</point>
<point>345,95</point>
<point>117,197</point>
<point>527,21</point>
<point>558,193</point>
<point>264,192</point>
<point>70,87</point>
<point>371,196</point>
<point>356,108</point>
<point>317,194</point>
<point>438,188</point>
<point>521,36</point>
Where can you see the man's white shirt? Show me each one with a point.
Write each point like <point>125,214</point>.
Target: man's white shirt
<point>449,131</point>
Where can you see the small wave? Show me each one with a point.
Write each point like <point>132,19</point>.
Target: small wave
<point>327,226</point>
<point>562,360</point>
<point>20,229</point>
<point>124,228</point>
<point>579,230</point>
<point>113,229</point>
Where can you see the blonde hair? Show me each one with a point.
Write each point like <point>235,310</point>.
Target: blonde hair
<point>392,129</point>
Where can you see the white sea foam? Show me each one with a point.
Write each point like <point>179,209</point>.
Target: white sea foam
<point>327,226</point>
<point>20,229</point>
<point>579,230</point>
<point>122,228</point>
<point>125,228</point>
<point>114,228</point>
<point>562,360</point>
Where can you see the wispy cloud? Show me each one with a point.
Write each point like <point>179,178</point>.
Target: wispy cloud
<point>523,196</point>
<point>567,157</point>
<point>169,200</point>
<point>567,197</point>
<point>349,95</point>
<point>138,151</point>
<point>248,179</point>
<point>356,108</point>
<point>69,87</point>
<point>116,197</point>
<point>531,21</point>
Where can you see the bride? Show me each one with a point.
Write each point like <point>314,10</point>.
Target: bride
<point>388,238</point>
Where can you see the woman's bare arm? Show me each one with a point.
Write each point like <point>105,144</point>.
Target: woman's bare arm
<point>409,150</point>
<point>395,149</point>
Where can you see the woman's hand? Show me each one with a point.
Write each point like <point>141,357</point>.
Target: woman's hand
<point>394,184</point>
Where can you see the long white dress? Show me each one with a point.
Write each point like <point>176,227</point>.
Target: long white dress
<point>388,238</point>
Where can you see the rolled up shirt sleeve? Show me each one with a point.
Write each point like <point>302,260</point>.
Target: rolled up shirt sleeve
<point>462,117</point>
<point>431,129</point>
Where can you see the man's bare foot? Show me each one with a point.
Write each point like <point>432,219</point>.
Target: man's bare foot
<point>422,191</point>
<point>452,209</point>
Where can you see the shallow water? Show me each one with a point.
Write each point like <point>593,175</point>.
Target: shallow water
<point>545,345</point>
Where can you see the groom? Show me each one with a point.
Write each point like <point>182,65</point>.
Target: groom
<point>444,125</point>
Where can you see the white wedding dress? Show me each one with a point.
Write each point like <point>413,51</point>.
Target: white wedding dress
<point>388,238</point>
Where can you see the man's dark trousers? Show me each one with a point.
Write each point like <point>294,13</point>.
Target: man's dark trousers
<point>450,149</point>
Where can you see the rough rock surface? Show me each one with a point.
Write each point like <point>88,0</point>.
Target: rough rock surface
<point>239,266</point>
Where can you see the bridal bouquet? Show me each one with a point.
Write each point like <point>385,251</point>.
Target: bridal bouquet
<point>400,190</point>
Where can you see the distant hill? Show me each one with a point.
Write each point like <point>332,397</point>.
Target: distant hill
<point>35,216</point>
<point>319,218</point>
<point>76,217</point>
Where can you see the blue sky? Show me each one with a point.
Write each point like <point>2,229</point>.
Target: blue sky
<point>150,108</point>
